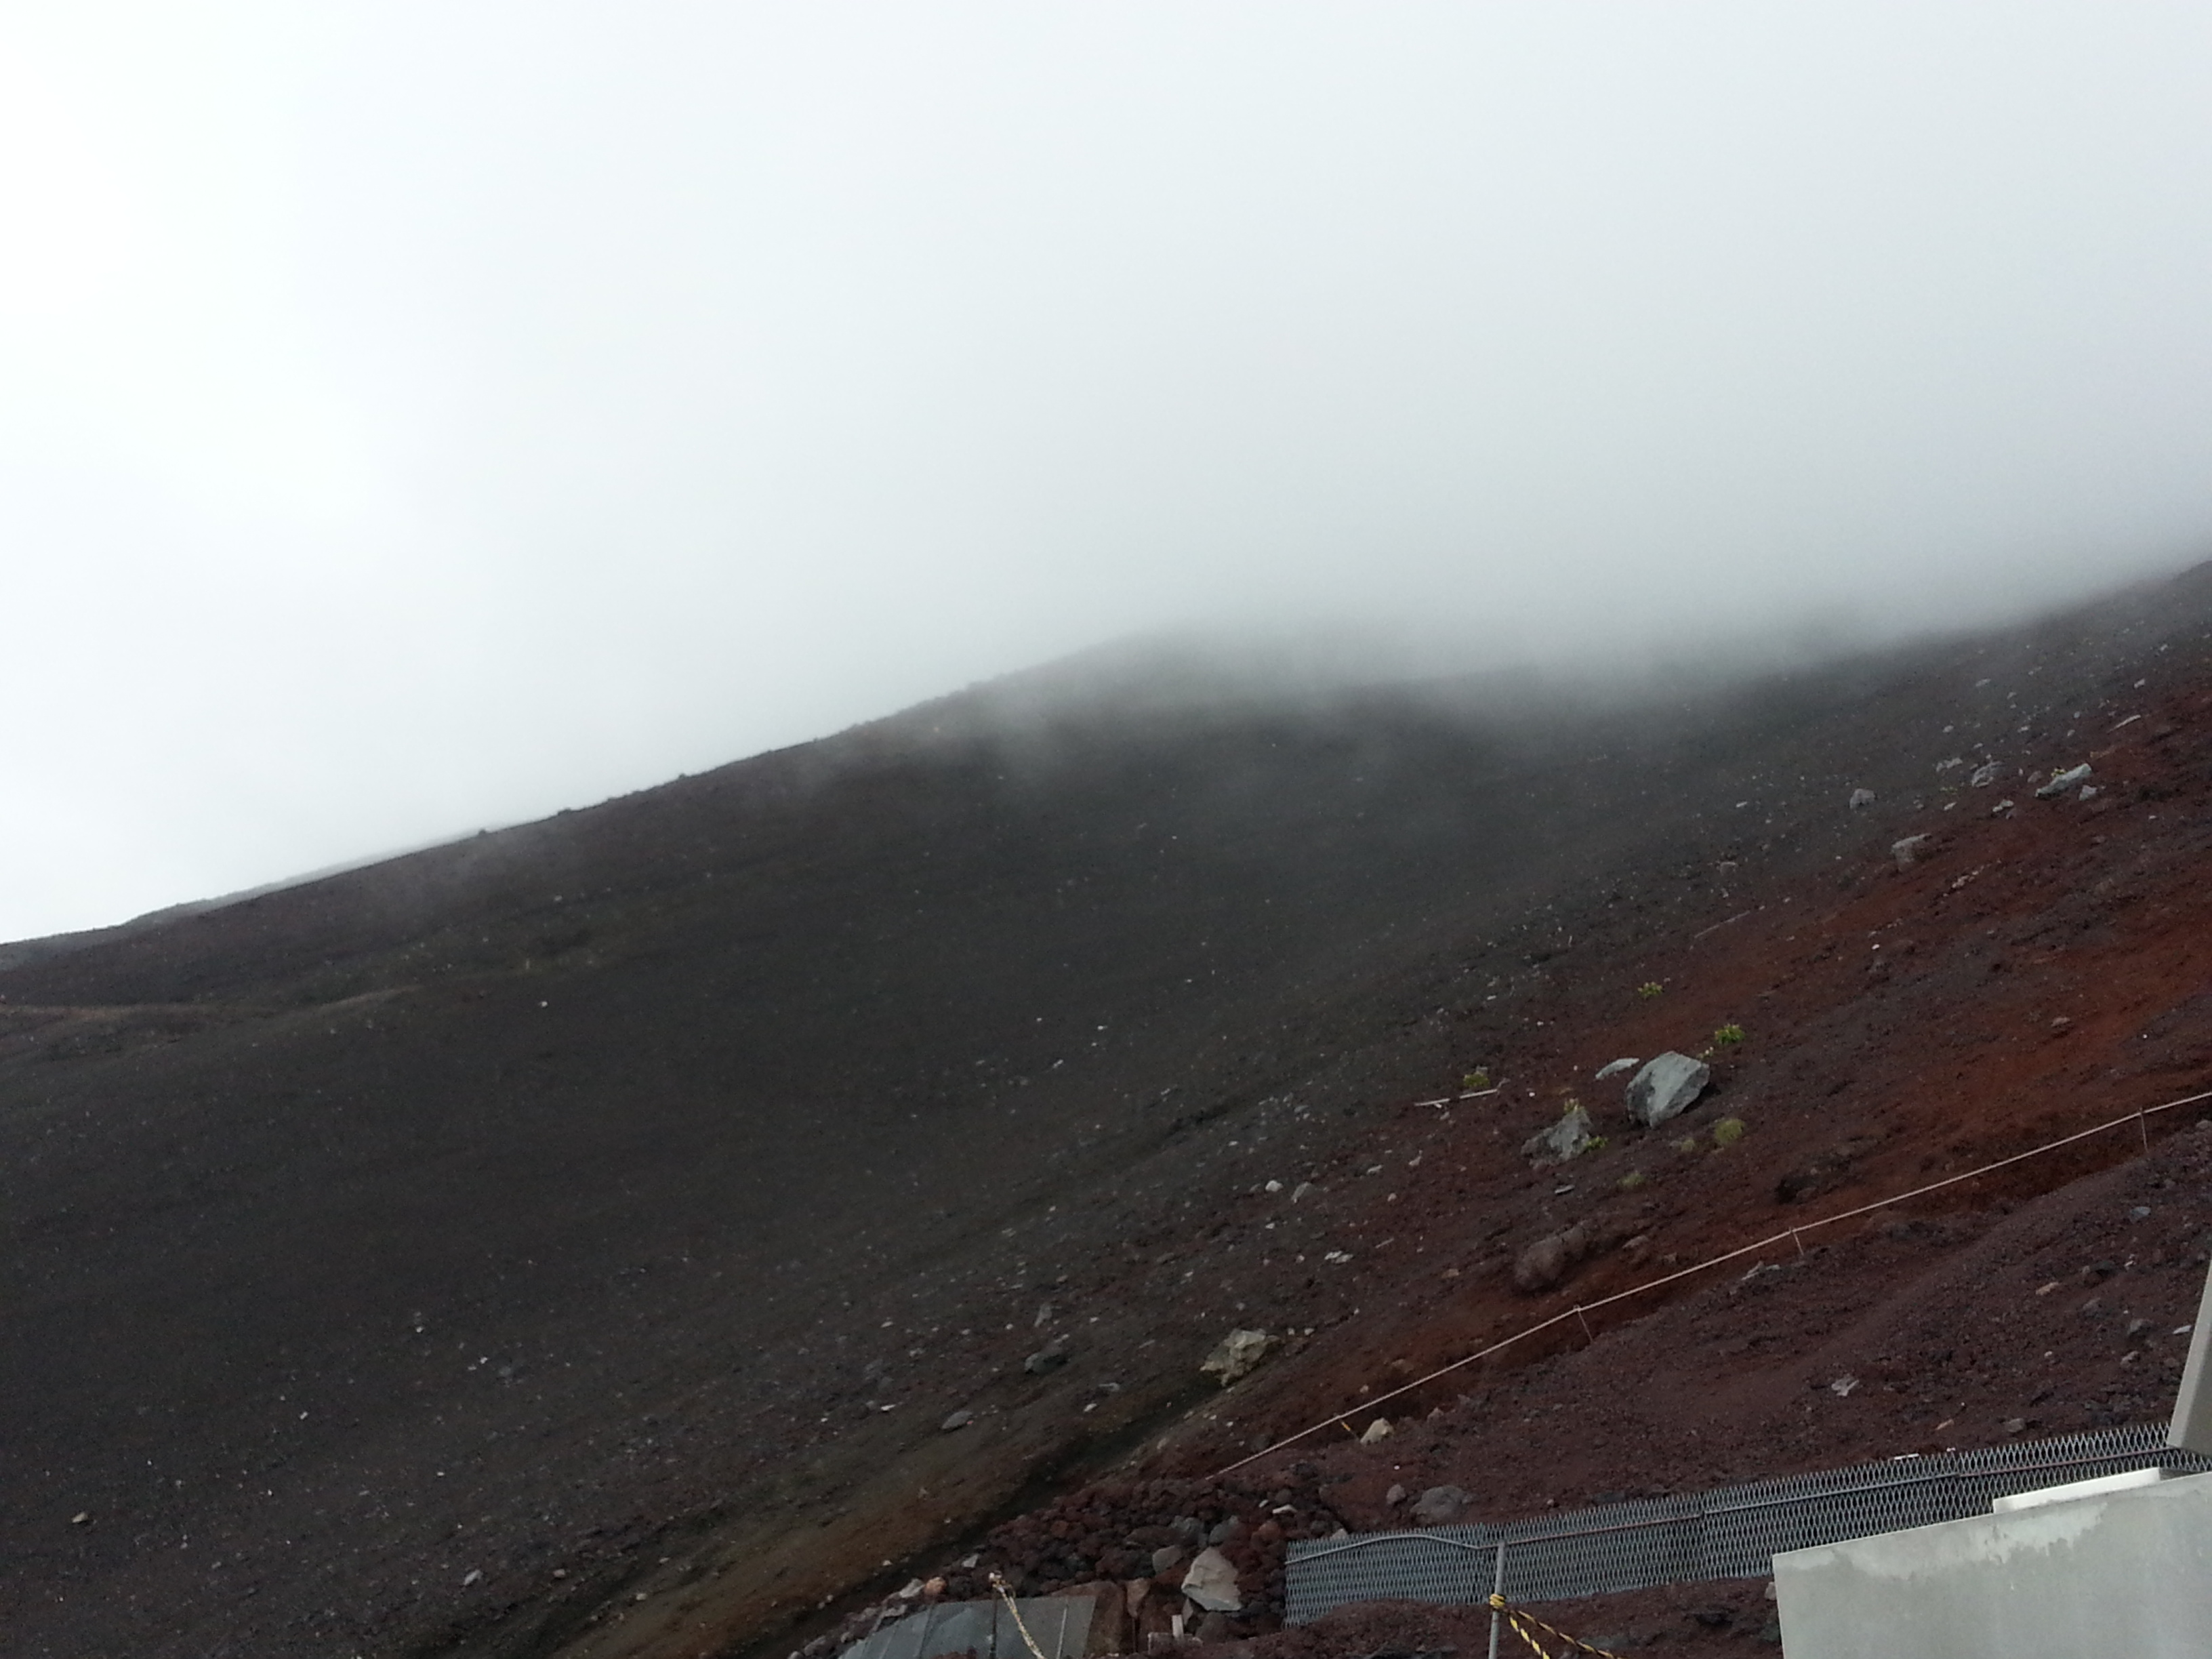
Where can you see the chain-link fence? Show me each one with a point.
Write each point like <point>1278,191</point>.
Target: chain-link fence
<point>1733,1532</point>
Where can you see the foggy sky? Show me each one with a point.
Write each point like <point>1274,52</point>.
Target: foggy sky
<point>417,417</point>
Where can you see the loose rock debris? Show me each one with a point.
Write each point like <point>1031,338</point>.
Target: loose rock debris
<point>587,1404</point>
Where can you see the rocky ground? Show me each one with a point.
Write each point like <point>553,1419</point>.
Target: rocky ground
<point>2052,1297</point>
<point>580,1240</point>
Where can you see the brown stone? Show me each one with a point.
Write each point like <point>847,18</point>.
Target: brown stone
<point>1111,1624</point>
<point>1542,1265</point>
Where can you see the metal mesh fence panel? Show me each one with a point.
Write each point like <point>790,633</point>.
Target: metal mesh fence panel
<point>1734,1532</point>
<point>1619,1546</point>
<point>1451,1565</point>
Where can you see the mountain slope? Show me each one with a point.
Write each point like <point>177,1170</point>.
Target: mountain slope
<point>587,1193</point>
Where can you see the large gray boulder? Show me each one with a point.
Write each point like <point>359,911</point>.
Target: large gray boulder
<point>1665,1087</point>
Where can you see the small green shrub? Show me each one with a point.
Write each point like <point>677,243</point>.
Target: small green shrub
<point>1651,987</point>
<point>1727,1037</point>
<point>1689,1143</point>
<point>1477,1079</point>
<point>1631,1181</point>
<point>1595,1144</point>
<point>1727,1132</point>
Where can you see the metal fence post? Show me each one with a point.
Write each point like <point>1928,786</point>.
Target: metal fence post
<point>1497,1590</point>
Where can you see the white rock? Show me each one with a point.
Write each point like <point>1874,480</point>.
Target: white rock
<point>1211,1583</point>
<point>1378,1430</point>
<point>2062,782</point>
<point>1615,1068</point>
<point>1235,1355</point>
<point>1861,797</point>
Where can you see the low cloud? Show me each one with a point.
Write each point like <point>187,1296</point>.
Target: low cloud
<point>423,419</point>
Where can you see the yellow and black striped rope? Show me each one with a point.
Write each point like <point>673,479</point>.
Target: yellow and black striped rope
<point>1006,1595</point>
<point>1521,1622</point>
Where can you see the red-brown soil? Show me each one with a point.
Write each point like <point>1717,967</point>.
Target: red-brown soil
<point>611,1209</point>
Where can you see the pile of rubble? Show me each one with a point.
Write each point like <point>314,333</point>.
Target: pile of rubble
<point>1158,1558</point>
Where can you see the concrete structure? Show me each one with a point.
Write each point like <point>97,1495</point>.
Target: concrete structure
<point>2041,1495</point>
<point>2192,1428</point>
<point>2126,1571</point>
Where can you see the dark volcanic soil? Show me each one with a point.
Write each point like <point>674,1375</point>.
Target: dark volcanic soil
<point>571,1240</point>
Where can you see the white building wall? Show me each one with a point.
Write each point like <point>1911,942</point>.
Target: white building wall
<point>2120,1573</point>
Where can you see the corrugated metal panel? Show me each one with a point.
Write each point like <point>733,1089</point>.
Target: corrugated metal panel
<point>1731,1532</point>
<point>1060,1625</point>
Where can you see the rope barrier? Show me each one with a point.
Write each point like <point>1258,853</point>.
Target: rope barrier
<point>1521,1620</point>
<point>999,1583</point>
<point>1787,1234</point>
<point>1471,1094</point>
